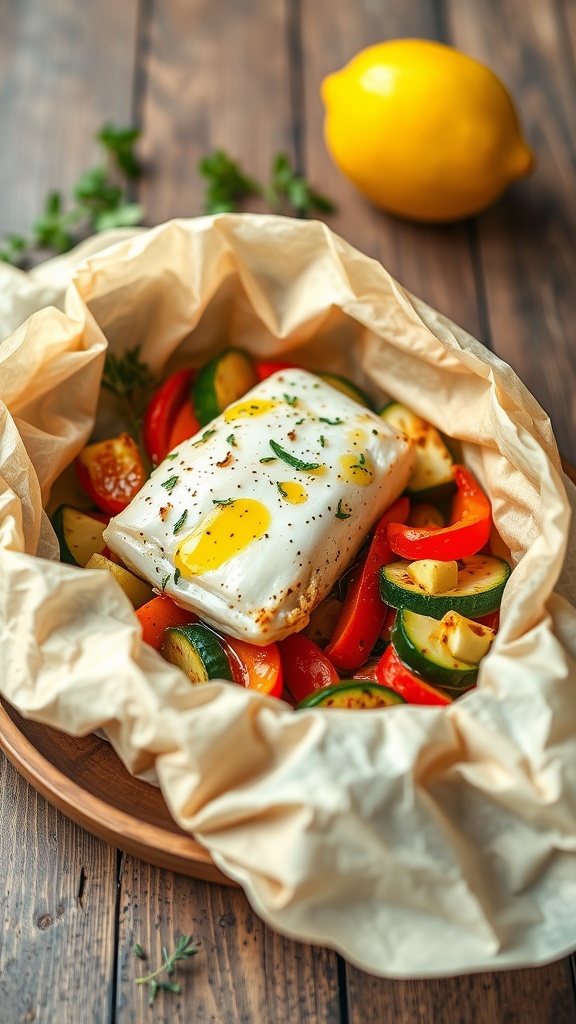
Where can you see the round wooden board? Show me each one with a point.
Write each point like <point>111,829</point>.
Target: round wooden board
<point>84,778</point>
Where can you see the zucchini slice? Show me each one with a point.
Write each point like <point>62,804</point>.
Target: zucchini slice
<point>432,476</point>
<point>481,582</point>
<point>418,642</point>
<point>135,589</point>
<point>198,651</point>
<point>79,535</point>
<point>347,387</point>
<point>221,381</point>
<point>352,694</point>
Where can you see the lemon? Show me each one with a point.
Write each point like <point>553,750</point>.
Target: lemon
<point>423,130</point>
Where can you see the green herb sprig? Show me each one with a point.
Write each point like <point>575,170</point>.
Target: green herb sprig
<point>287,192</point>
<point>131,381</point>
<point>185,948</point>
<point>99,201</point>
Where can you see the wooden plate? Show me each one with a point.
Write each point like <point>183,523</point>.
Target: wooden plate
<point>86,780</point>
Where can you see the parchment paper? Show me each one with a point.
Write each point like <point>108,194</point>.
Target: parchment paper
<point>416,841</point>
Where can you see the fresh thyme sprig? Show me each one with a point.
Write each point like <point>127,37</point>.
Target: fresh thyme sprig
<point>131,381</point>
<point>185,948</point>
<point>227,185</point>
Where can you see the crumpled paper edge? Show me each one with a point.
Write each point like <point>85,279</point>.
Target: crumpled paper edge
<point>562,621</point>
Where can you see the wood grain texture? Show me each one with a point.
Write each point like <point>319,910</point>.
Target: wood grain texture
<point>433,262</point>
<point>216,76</point>
<point>83,777</point>
<point>65,69</point>
<point>526,241</point>
<point>57,913</point>
<point>540,996</point>
<point>244,974</point>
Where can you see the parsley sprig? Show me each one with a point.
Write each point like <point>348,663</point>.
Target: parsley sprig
<point>287,192</point>
<point>185,948</point>
<point>99,201</point>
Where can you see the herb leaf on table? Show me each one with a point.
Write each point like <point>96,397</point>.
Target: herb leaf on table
<point>185,948</point>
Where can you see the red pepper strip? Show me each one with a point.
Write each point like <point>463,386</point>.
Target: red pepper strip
<point>265,370</point>
<point>256,668</point>
<point>157,615</point>
<point>468,531</point>
<point>185,425</point>
<point>363,612</point>
<point>161,413</point>
<point>111,473</point>
<point>304,667</point>
<point>392,672</point>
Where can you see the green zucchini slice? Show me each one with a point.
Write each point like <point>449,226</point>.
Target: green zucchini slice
<point>198,651</point>
<point>79,535</point>
<point>481,582</point>
<point>353,695</point>
<point>417,640</point>
<point>347,387</point>
<point>432,477</point>
<point>221,381</point>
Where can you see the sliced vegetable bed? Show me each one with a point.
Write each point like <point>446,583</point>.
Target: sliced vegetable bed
<point>410,620</point>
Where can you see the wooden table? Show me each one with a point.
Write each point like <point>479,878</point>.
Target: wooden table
<point>244,75</point>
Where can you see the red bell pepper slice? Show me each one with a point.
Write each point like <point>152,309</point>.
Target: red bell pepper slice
<point>266,369</point>
<point>363,612</point>
<point>305,668</point>
<point>157,615</point>
<point>256,668</point>
<point>392,672</point>
<point>468,532</point>
<point>161,413</point>
<point>185,425</point>
<point>111,473</point>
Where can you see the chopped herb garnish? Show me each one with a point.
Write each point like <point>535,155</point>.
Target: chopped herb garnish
<point>340,514</point>
<point>139,952</point>
<point>165,581</point>
<point>281,489</point>
<point>291,399</point>
<point>223,501</point>
<point>269,458</point>
<point>375,432</point>
<point>181,521</point>
<point>173,455</point>
<point>205,436</point>
<point>298,422</point>
<point>331,423</point>
<point>322,440</point>
<point>231,440</point>
<point>291,460</point>
<point>170,483</point>
<point>177,575</point>
<point>361,464</point>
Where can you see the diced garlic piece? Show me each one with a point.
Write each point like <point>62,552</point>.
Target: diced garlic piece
<point>433,576</point>
<point>465,639</point>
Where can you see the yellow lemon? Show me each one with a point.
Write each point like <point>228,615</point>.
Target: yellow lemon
<point>423,130</point>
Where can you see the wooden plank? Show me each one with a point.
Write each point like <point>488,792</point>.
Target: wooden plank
<point>66,70</point>
<point>543,996</point>
<point>527,241</point>
<point>433,262</point>
<point>216,76</point>
<point>244,972</point>
<point>57,912</point>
